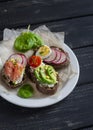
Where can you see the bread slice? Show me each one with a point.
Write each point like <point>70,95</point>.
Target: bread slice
<point>57,65</point>
<point>63,64</point>
<point>66,63</point>
<point>43,88</point>
<point>10,83</point>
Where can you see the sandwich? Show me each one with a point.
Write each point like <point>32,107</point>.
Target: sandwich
<point>44,76</point>
<point>13,71</point>
<point>54,56</point>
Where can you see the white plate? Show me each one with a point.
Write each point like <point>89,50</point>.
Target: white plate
<point>47,100</point>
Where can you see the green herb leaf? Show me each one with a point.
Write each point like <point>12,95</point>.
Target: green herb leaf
<point>26,91</point>
<point>26,41</point>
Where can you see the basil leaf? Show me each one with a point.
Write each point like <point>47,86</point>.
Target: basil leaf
<point>26,41</point>
<point>26,91</point>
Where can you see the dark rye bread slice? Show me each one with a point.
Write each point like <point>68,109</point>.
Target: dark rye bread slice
<point>43,88</point>
<point>9,83</point>
<point>30,74</point>
<point>60,65</point>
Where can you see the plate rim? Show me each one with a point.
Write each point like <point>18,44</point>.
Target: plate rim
<point>9,97</point>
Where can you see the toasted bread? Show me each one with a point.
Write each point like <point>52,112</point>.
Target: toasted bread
<point>59,65</point>
<point>9,83</point>
<point>43,88</point>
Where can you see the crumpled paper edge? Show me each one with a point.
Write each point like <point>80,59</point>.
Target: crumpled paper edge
<point>9,34</point>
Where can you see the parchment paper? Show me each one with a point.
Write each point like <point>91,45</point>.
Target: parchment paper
<point>50,38</point>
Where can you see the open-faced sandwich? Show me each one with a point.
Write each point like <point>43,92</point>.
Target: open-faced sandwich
<point>44,76</point>
<point>54,56</point>
<point>13,71</point>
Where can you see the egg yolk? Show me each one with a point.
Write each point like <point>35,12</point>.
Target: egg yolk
<point>44,50</point>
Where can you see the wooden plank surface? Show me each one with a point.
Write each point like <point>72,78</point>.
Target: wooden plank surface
<point>76,20</point>
<point>85,58</point>
<point>78,31</point>
<point>72,113</point>
<point>40,11</point>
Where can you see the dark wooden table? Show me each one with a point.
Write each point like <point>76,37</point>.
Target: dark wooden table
<point>75,18</point>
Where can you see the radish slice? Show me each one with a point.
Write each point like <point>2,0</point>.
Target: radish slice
<point>58,56</point>
<point>24,59</point>
<point>62,59</point>
<point>51,57</point>
<point>21,58</point>
<point>16,57</point>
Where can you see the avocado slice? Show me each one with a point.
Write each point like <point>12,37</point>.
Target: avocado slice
<point>51,72</point>
<point>46,74</point>
<point>46,78</point>
<point>37,74</point>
